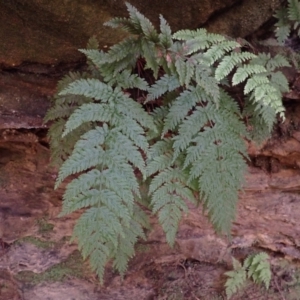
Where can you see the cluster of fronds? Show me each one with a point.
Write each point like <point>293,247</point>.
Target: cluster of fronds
<point>288,20</point>
<point>256,267</point>
<point>190,146</point>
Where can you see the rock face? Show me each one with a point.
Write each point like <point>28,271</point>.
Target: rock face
<point>39,42</point>
<point>35,255</point>
<point>50,32</point>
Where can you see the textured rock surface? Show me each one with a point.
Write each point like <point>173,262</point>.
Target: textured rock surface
<point>24,99</point>
<point>267,218</point>
<point>50,32</point>
<point>34,53</point>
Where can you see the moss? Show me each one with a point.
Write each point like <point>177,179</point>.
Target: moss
<point>44,226</point>
<point>36,241</point>
<point>142,248</point>
<point>73,266</point>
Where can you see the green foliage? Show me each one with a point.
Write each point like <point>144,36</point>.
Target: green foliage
<point>255,267</point>
<point>288,20</point>
<point>154,107</point>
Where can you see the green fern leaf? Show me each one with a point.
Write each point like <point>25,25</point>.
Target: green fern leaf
<point>236,280</point>
<point>118,142</point>
<point>165,37</point>
<point>214,157</point>
<point>205,79</point>
<point>91,88</point>
<point>164,84</point>
<point>277,61</point>
<point>126,80</point>
<point>88,113</point>
<point>79,161</point>
<point>282,33</point>
<point>217,51</point>
<point>181,68</point>
<point>125,23</point>
<point>121,50</point>
<point>149,52</point>
<point>242,73</point>
<point>280,81</point>
<point>142,23</point>
<point>229,62</point>
<point>134,131</point>
<point>98,58</point>
<point>59,111</point>
<point>181,106</point>
<point>126,250</point>
<point>184,35</point>
<point>254,82</point>
<point>259,128</point>
<point>294,10</point>
<point>259,268</point>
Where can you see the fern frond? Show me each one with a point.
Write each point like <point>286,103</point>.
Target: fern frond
<point>125,23</point>
<point>91,88</point>
<point>134,131</point>
<point>122,49</point>
<point>78,186</point>
<point>141,22</point>
<point>206,80</point>
<point>88,113</point>
<point>117,141</point>
<point>165,36</point>
<point>278,61</point>
<point>164,84</point>
<point>229,62</point>
<point>168,201</point>
<point>282,33</point>
<point>127,107</point>
<point>268,115</point>
<point>101,134</point>
<point>186,34</point>
<point>259,130</point>
<point>269,62</point>
<point>280,81</point>
<point>259,268</point>
<point>60,147</point>
<point>126,250</point>
<point>79,161</point>
<point>237,279</point>
<point>191,126</point>
<point>179,109</point>
<point>254,82</point>
<point>59,111</point>
<point>185,70</point>
<point>97,57</point>
<point>242,73</point>
<point>159,163</point>
<point>105,238</point>
<point>67,79</point>
<point>217,51</point>
<point>294,10</point>
<point>215,157</point>
<point>126,80</point>
<point>149,53</point>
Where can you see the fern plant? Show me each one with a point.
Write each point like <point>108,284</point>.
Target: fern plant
<point>288,20</point>
<point>255,267</point>
<point>156,106</point>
